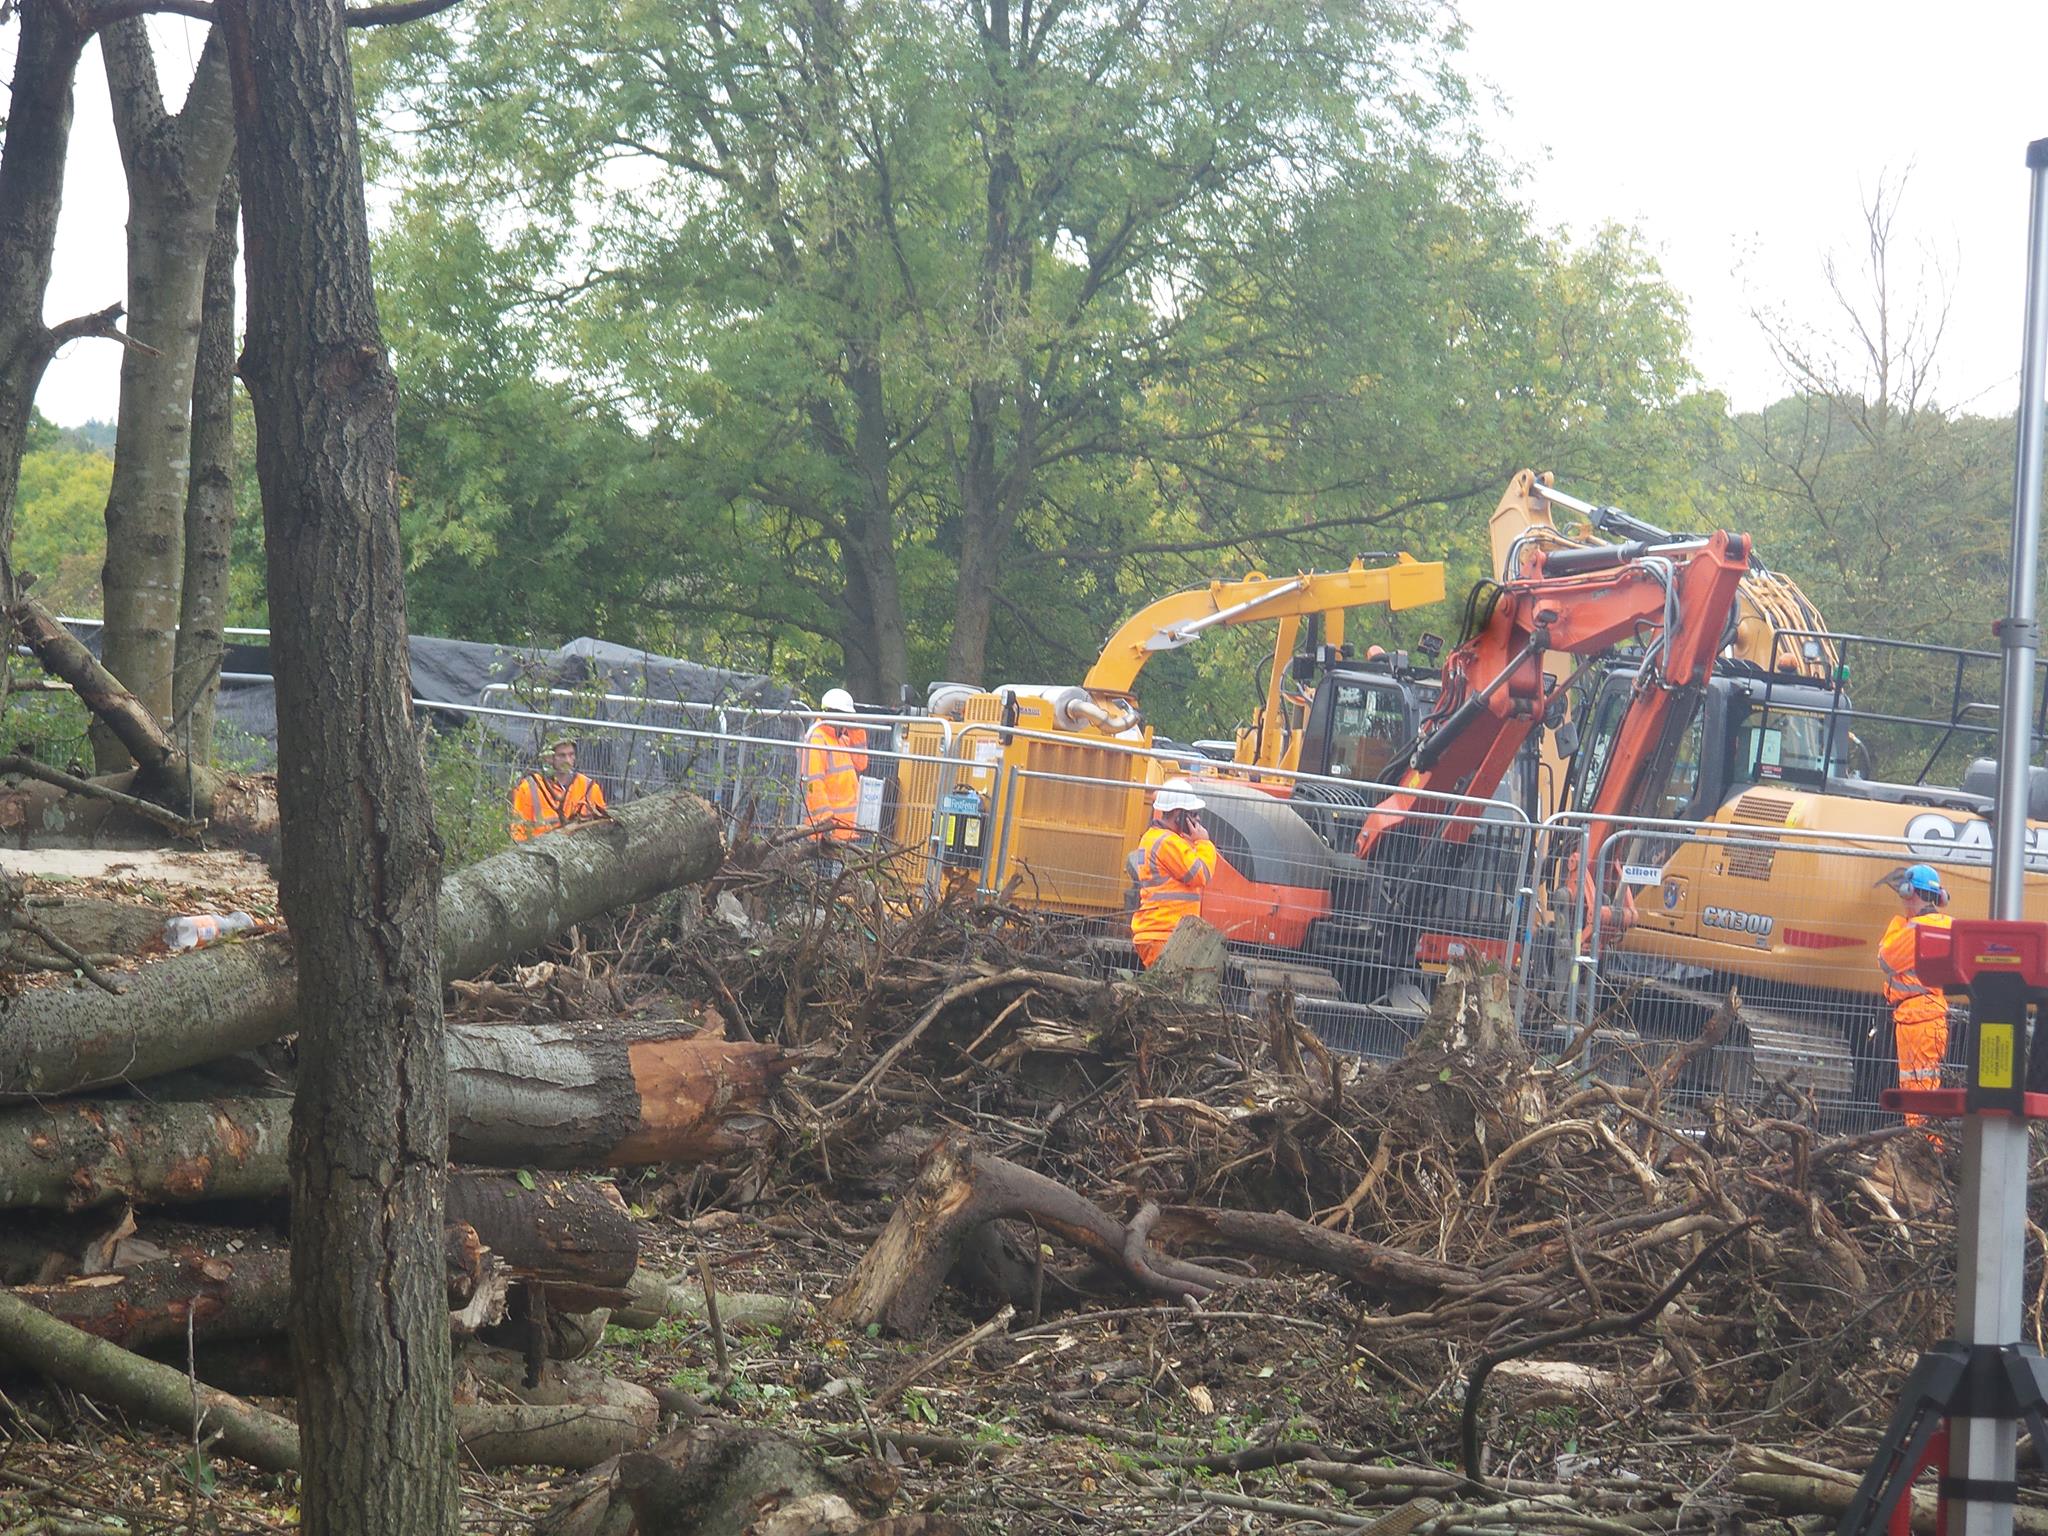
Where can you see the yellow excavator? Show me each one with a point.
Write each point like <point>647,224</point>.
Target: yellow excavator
<point>1034,781</point>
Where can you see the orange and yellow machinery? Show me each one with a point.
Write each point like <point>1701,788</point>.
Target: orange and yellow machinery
<point>1059,771</point>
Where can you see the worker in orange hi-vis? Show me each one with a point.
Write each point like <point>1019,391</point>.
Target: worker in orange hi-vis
<point>544,803</point>
<point>1173,861</point>
<point>835,754</point>
<point>1919,1012</point>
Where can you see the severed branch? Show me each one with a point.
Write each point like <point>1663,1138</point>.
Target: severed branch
<point>101,323</point>
<point>958,1189</point>
<point>84,966</point>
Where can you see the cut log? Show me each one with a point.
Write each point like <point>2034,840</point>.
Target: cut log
<point>572,1235</point>
<point>575,1419</point>
<point>217,1297</point>
<point>233,997</point>
<point>639,1097</point>
<point>142,1387</point>
<point>652,1299</point>
<point>956,1189</point>
<point>606,1096</point>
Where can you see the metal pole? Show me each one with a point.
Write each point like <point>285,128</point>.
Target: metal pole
<point>1992,1209</point>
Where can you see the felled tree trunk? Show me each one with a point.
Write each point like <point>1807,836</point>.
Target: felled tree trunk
<point>158,1393</point>
<point>574,1236</point>
<point>192,1008</point>
<point>577,1418</point>
<point>639,1100</point>
<point>212,1298</point>
<point>605,1096</point>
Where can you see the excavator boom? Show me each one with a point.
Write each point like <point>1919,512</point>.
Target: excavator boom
<point>1676,597</point>
<point>1174,621</point>
<point>1777,626</point>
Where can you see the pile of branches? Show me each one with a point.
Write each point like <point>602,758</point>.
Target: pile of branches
<point>984,1070</point>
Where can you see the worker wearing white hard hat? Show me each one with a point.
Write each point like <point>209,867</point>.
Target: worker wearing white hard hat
<point>1171,865</point>
<point>835,754</point>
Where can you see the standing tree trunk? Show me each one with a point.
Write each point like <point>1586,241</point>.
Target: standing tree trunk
<point>361,857</point>
<point>47,42</point>
<point>210,496</point>
<point>174,167</point>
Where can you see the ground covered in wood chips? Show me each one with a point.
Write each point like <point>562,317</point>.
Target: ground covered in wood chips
<point>1681,1314</point>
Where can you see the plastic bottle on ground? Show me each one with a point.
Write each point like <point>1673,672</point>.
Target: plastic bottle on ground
<point>204,928</point>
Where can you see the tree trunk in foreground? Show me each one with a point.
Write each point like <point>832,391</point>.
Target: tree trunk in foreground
<point>194,1008</point>
<point>210,493</point>
<point>46,44</point>
<point>681,1100</point>
<point>362,861</point>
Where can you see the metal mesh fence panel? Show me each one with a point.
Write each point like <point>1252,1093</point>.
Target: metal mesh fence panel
<point>1764,941</point>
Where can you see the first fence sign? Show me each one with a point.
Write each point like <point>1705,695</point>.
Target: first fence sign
<point>1641,874</point>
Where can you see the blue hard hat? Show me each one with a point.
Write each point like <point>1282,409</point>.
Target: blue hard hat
<point>1922,879</point>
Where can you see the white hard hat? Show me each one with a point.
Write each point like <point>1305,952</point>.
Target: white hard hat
<point>837,701</point>
<point>1177,795</point>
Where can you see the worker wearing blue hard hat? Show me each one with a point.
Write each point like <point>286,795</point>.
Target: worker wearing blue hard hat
<point>1919,1011</point>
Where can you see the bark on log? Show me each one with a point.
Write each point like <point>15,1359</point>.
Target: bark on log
<point>142,1387</point>
<point>635,1098</point>
<point>958,1188</point>
<point>218,1297</point>
<point>191,1008</point>
<point>605,1096</point>
<point>573,1236</point>
<point>1277,1235</point>
<point>650,1299</point>
<point>575,1419</point>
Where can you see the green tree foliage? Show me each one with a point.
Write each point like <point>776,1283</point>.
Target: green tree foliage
<point>890,341</point>
<point>1891,509</point>
<point>58,531</point>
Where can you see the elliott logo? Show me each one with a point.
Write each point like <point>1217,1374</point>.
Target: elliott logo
<point>1756,923</point>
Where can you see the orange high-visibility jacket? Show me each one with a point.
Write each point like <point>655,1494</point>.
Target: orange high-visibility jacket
<point>1911,1000</point>
<point>1168,872</point>
<point>540,805</point>
<point>833,758</point>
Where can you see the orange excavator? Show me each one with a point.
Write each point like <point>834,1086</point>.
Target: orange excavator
<point>1420,864</point>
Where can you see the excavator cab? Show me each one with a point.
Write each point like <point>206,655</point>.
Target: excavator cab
<point>1362,714</point>
<point>1745,730</point>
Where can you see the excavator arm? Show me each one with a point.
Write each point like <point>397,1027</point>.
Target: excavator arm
<point>1777,626</point>
<point>1677,597</point>
<point>1175,621</point>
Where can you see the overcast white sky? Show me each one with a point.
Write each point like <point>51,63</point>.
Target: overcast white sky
<point>1740,138</point>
